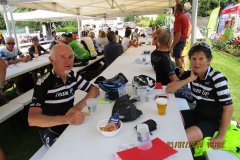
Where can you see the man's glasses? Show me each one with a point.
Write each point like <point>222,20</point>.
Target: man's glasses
<point>11,43</point>
<point>203,44</point>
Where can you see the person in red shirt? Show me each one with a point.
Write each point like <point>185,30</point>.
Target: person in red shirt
<point>181,33</point>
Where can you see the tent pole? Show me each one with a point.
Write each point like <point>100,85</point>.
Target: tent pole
<point>13,27</point>
<point>194,21</point>
<point>6,20</point>
<point>79,27</point>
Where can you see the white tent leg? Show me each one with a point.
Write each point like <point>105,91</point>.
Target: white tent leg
<point>194,21</point>
<point>6,20</point>
<point>79,27</point>
<point>13,27</point>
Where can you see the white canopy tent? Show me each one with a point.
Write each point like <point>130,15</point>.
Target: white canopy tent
<point>104,8</point>
<point>42,16</point>
<point>97,8</point>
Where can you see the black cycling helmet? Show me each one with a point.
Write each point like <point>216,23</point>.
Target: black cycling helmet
<point>143,81</point>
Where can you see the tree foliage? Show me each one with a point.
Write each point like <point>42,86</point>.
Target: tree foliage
<point>206,6</point>
<point>130,19</point>
<point>2,23</point>
<point>160,21</point>
<point>34,26</point>
<point>69,26</point>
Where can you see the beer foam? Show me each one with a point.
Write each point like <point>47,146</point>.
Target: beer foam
<point>161,100</point>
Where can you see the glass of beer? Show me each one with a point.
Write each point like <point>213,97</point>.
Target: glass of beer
<point>161,105</point>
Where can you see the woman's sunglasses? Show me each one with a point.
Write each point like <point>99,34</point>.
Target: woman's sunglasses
<point>203,44</point>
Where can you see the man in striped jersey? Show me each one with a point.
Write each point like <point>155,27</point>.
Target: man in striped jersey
<point>52,106</point>
<point>213,111</point>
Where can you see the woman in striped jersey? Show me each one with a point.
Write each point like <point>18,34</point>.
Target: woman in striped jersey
<point>213,111</point>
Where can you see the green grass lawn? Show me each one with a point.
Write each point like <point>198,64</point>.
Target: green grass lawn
<point>230,67</point>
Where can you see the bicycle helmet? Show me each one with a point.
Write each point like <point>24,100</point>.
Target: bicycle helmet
<point>111,86</point>
<point>143,81</point>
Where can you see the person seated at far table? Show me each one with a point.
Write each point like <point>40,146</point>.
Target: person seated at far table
<point>52,108</point>
<point>213,111</point>
<point>36,49</point>
<point>102,39</point>
<point>118,37</point>
<point>112,50</point>
<point>126,41</point>
<point>97,46</point>
<point>81,54</point>
<point>12,54</point>
<point>160,58</point>
<point>135,35</point>
<point>2,40</point>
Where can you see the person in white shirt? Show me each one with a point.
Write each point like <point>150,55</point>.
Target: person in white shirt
<point>126,41</point>
<point>102,38</point>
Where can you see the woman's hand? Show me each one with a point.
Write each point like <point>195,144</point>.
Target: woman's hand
<point>192,77</point>
<point>216,142</point>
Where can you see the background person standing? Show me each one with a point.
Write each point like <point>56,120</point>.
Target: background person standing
<point>180,33</point>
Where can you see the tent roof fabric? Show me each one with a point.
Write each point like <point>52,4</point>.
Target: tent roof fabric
<point>98,8</point>
<point>233,9</point>
<point>42,16</point>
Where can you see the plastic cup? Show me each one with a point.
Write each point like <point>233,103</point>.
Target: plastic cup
<point>143,137</point>
<point>161,105</point>
<point>92,104</point>
<point>144,59</point>
<point>142,92</point>
<point>36,56</point>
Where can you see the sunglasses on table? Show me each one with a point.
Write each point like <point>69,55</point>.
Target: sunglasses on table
<point>11,43</point>
<point>203,44</point>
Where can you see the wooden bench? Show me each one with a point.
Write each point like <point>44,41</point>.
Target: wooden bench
<point>40,153</point>
<point>15,105</point>
<point>25,98</point>
<point>8,110</point>
<point>218,154</point>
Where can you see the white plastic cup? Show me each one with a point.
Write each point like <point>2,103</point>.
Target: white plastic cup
<point>143,137</point>
<point>92,104</point>
<point>142,92</point>
<point>144,59</point>
<point>36,56</point>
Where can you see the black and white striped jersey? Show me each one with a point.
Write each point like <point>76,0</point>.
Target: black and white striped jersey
<point>55,97</point>
<point>211,94</point>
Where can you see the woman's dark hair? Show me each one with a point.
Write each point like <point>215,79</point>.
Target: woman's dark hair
<point>110,36</point>
<point>128,32</point>
<point>198,47</point>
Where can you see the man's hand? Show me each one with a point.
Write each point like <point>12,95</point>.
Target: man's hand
<point>75,117</point>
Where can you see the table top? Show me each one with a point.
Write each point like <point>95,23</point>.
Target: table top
<point>21,68</point>
<point>85,142</point>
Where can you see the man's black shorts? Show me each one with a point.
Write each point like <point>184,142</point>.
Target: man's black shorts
<point>178,48</point>
<point>208,127</point>
<point>48,136</point>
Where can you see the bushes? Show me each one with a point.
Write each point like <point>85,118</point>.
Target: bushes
<point>231,46</point>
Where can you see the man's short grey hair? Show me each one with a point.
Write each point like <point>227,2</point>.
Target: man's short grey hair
<point>9,39</point>
<point>187,6</point>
